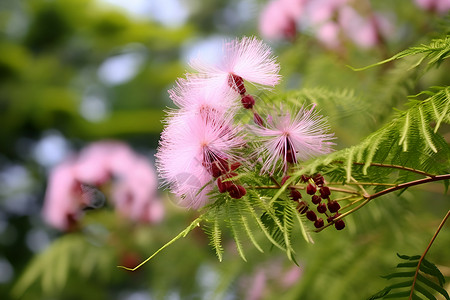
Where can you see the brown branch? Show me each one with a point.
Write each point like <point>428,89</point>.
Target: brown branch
<point>386,191</point>
<point>397,167</point>
<point>408,184</point>
<point>426,251</point>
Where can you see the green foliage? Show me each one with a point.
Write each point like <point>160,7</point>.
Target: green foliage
<point>408,141</point>
<point>70,255</point>
<point>435,53</point>
<point>416,278</point>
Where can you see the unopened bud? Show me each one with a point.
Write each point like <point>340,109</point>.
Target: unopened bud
<point>248,101</point>
<point>311,215</point>
<point>258,120</point>
<point>311,189</point>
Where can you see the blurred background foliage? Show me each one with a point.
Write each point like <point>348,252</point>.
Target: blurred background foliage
<point>77,71</point>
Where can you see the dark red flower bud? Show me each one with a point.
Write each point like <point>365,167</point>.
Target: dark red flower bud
<point>215,170</point>
<point>236,191</point>
<point>283,180</point>
<point>311,189</point>
<point>242,190</point>
<point>291,156</point>
<point>237,83</point>
<point>339,225</point>
<point>325,192</point>
<point>295,195</point>
<point>319,223</point>
<point>305,178</point>
<point>333,206</point>
<point>322,208</point>
<point>311,215</point>
<point>234,166</point>
<point>258,120</point>
<point>316,199</point>
<point>248,101</point>
<point>318,179</point>
<point>223,186</point>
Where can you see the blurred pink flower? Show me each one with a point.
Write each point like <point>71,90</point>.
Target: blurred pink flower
<point>438,6</point>
<point>329,35</point>
<point>188,151</point>
<point>266,275</point>
<point>291,140</point>
<point>322,11</point>
<point>63,201</point>
<point>255,290</point>
<point>72,185</point>
<point>362,31</point>
<point>275,22</point>
<point>246,59</point>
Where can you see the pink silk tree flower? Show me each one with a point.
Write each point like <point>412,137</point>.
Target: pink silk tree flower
<point>362,31</point>
<point>194,95</point>
<point>246,59</point>
<point>188,151</point>
<point>293,139</point>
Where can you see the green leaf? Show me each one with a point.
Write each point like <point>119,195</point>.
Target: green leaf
<point>433,286</point>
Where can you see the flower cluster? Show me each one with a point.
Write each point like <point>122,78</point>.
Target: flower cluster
<point>75,185</point>
<point>200,142</point>
<point>202,148</point>
<point>332,22</point>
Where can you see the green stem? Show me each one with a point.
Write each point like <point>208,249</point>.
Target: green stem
<point>182,234</point>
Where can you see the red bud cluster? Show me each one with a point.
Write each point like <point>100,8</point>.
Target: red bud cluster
<point>223,170</point>
<point>318,191</point>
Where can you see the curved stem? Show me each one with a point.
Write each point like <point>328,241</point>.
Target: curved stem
<point>397,187</point>
<point>397,167</point>
<point>426,251</point>
<point>408,184</point>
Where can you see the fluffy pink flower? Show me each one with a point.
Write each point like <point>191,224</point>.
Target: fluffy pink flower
<point>293,139</point>
<point>188,151</point>
<point>193,95</point>
<point>73,185</point>
<point>246,59</point>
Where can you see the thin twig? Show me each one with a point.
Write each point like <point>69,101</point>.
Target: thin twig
<point>386,191</point>
<point>275,181</point>
<point>362,183</point>
<point>409,184</point>
<point>426,251</point>
<point>360,186</point>
<point>346,198</point>
<point>396,167</point>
